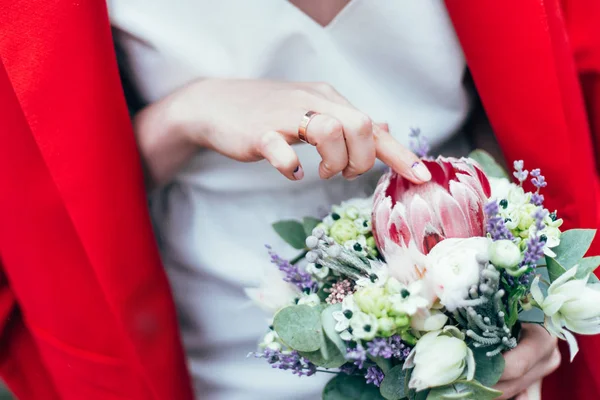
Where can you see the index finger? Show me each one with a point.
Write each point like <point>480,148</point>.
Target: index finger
<point>399,158</point>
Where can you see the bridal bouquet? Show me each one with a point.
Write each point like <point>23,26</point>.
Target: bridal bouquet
<point>416,292</point>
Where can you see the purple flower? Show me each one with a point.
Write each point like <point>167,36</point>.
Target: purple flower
<point>537,199</point>
<point>288,361</point>
<point>538,180</point>
<point>418,143</point>
<point>535,243</point>
<point>358,355</point>
<point>399,349</point>
<point>293,274</point>
<point>495,223</point>
<point>380,347</point>
<point>374,375</point>
<point>520,173</point>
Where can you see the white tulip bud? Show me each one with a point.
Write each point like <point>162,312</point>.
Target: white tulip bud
<point>439,359</point>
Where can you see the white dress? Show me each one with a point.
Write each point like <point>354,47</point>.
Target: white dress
<point>398,61</point>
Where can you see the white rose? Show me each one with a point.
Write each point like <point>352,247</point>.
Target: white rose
<point>453,268</point>
<point>274,293</point>
<point>571,305</point>
<point>439,359</point>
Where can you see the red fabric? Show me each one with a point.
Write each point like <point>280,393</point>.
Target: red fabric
<point>92,315</point>
<point>528,59</point>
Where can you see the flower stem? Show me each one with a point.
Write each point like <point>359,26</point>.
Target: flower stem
<point>299,257</point>
<point>328,372</point>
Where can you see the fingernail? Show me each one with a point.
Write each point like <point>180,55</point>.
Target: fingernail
<point>298,173</point>
<point>421,172</point>
<point>351,178</point>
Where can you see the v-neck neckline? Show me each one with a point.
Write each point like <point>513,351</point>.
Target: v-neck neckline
<point>334,21</point>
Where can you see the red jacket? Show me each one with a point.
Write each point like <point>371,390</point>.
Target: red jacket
<point>85,309</point>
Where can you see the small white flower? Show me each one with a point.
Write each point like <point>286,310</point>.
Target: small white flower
<point>343,317</point>
<point>361,241</point>
<point>343,322</point>
<point>410,299</point>
<point>364,326</point>
<point>439,359</point>
<point>363,226</point>
<point>320,273</point>
<point>310,300</point>
<point>271,341</point>
<point>379,275</point>
<point>553,239</point>
<point>453,268</point>
<point>571,305</point>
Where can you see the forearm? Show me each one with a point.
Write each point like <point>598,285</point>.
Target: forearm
<point>162,141</point>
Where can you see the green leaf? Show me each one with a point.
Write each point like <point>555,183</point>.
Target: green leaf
<point>587,266</point>
<point>469,390</point>
<point>385,364</point>
<point>573,245</point>
<point>488,164</point>
<point>310,223</point>
<point>292,232</point>
<point>328,356</point>
<point>392,387</point>
<point>299,327</point>
<point>350,387</point>
<point>488,370</point>
<point>555,269</point>
<point>329,323</point>
<point>512,314</point>
<point>533,316</point>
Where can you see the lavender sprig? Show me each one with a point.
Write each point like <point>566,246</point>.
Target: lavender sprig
<point>535,244</point>
<point>418,143</point>
<point>495,223</point>
<point>288,361</point>
<point>520,173</point>
<point>293,273</point>
<point>374,375</point>
<point>358,355</point>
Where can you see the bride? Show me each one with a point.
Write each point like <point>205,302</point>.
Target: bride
<point>264,110</point>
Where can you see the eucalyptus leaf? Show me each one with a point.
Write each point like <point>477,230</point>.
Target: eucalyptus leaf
<point>573,245</point>
<point>299,327</point>
<point>350,387</point>
<point>488,164</point>
<point>328,356</point>
<point>329,324</point>
<point>310,223</point>
<point>292,232</point>
<point>469,390</point>
<point>488,370</point>
<point>392,387</point>
<point>533,316</point>
<point>587,266</point>
<point>384,364</point>
<point>555,269</point>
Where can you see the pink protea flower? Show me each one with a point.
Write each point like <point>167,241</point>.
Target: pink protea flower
<point>409,219</point>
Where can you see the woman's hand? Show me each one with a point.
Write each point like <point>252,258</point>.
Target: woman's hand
<point>535,357</point>
<point>249,120</point>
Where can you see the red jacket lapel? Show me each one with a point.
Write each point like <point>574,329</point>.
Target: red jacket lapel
<point>59,57</point>
<point>523,67</point>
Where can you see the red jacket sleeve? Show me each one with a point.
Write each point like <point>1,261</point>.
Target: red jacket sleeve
<point>76,242</point>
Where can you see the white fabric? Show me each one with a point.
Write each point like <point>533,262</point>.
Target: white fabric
<point>398,61</point>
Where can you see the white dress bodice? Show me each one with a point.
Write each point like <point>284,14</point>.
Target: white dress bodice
<point>397,61</point>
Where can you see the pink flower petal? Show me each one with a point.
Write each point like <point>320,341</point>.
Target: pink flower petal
<point>453,211</point>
